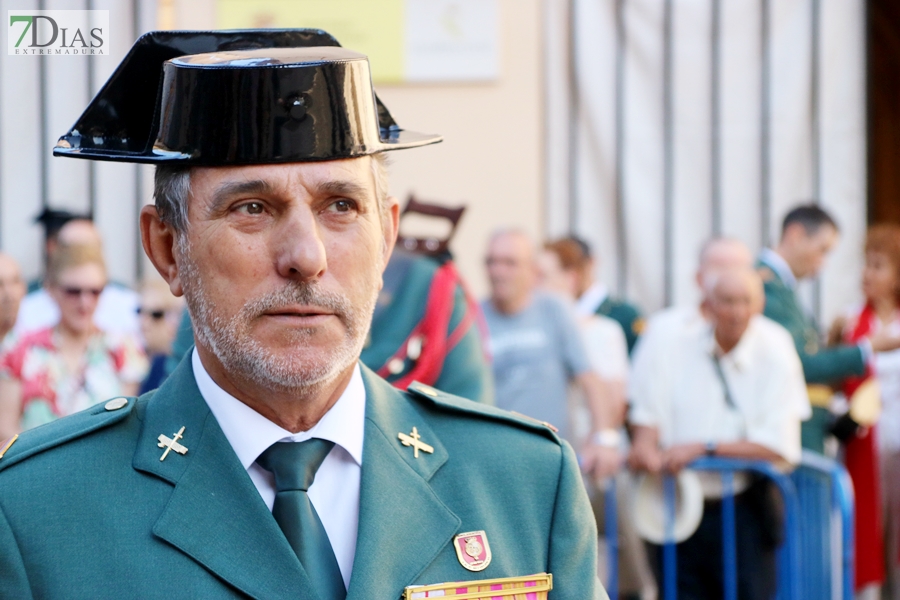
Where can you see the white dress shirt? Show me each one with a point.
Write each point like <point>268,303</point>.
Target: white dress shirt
<point>335,491</point>
<point>674,388</point>
<point>591,299</point>
<point>607,350</point>
<point>775,261</point>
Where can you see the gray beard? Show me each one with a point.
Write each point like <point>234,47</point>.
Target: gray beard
<point>246,358</point>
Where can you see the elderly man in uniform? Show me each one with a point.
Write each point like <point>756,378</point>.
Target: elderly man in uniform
<point>271,464</point>
<point>808,234</point>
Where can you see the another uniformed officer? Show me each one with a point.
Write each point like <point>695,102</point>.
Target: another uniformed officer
<point>271,464</point>
<point>426,328</point>
<point>594,298</point>
<point>808,234</point>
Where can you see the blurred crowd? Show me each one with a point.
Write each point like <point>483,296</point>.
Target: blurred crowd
<point>746,373</point>
<point>73,338</point>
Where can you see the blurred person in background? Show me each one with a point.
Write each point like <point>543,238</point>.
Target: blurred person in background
<point>117,308</point>
<point>52,220</point>
<point>12,289</point>
<point>161,314</point>
<point>869,450</point>
<point>72,365</point>
<point>716,254</point>
<point>560,265</point>
<point>808,234</point>
<point>594,298</point>
<point>721,390</point>
<point>537,351</point>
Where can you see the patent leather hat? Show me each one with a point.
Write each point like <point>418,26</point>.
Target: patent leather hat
<point>241,97</point>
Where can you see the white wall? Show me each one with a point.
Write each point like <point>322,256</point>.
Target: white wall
<point>648,222</point>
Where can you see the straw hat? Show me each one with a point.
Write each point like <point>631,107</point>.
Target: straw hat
<point>649,509</point>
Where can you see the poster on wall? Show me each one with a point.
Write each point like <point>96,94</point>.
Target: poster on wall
<point>407,41</point>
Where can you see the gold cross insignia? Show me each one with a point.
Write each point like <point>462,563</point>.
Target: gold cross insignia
<point>171,444</point>
<point>413,440</point>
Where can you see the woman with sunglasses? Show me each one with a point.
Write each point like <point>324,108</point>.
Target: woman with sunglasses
<point>71,366</point>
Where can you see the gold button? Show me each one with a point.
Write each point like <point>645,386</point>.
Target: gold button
<point>116,403</point>
<point>426,390</point>
<point>395,366</point>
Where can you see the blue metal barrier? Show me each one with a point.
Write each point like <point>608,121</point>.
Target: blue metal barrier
<point>825,495</point>
<point>816,559</point>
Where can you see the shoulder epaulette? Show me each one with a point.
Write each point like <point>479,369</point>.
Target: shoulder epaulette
<point>456,403</point>
<point>56,433</point>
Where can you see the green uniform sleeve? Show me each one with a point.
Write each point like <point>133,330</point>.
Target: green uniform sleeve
<point>826,366</point>
<point>832,365</point>
<point>466,371</point>
<point>573,537</point>
<point>13,578</point>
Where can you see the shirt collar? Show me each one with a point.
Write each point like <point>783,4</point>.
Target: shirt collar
<point>591,299</point>
<point>775,261</point>
<point>742,354</point>
<point>250,433</point>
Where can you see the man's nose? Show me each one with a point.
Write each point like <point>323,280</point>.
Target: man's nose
<point>300,249</point>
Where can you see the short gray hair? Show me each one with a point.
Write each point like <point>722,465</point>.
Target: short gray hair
<point>172,190</point>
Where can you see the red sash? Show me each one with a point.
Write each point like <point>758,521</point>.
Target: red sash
<point>437,341</point>
<point>862,463</point>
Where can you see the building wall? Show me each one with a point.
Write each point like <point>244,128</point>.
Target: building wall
<point>683,119</point>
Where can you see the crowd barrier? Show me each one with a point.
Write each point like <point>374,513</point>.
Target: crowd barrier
<point>816,558</point>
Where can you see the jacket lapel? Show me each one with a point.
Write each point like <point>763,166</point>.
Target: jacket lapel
<point>403,525</point>
<point>214,515</point>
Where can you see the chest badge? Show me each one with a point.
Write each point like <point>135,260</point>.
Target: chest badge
<point>413,440</point>
<point>473,550</point>
<point>171,444</point>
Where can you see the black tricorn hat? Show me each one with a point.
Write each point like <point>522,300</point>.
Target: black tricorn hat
<point>53,219</point>
<point>237,97</point>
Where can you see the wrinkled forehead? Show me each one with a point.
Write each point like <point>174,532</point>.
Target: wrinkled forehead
<point>744,283</point>
<point>351,174</point>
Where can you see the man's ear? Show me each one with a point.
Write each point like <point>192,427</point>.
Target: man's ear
<point>158,239</point>
<point>391,227</point>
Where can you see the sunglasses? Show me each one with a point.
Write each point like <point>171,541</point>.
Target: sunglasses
<point>76,292</point>
<point>156,315</point>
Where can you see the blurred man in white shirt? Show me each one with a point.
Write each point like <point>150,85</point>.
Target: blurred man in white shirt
<point>730,386</point>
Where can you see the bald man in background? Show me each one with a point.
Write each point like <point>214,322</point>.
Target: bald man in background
<point>12,289</point>
<point>117,307</point>
<point>731,388</point>
<point>537,351</point>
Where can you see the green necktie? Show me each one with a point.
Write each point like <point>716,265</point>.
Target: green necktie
<point>294,465</point>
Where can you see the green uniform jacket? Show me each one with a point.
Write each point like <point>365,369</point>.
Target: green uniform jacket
<point>627,315</point>
<point>829,366</point>
<point>401,307</point>
<point>88,510</point>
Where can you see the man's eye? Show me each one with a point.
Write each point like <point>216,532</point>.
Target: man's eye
<point>253,208</point>
<point>342,206</point>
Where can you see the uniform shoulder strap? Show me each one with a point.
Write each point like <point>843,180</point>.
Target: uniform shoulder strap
<point>422,392</point>
<point>57,433</point>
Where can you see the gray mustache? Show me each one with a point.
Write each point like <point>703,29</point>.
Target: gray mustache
<point>298,293</point>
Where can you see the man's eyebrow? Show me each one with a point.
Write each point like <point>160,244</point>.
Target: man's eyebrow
<point>230,189</point>
<point>342,188</point>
